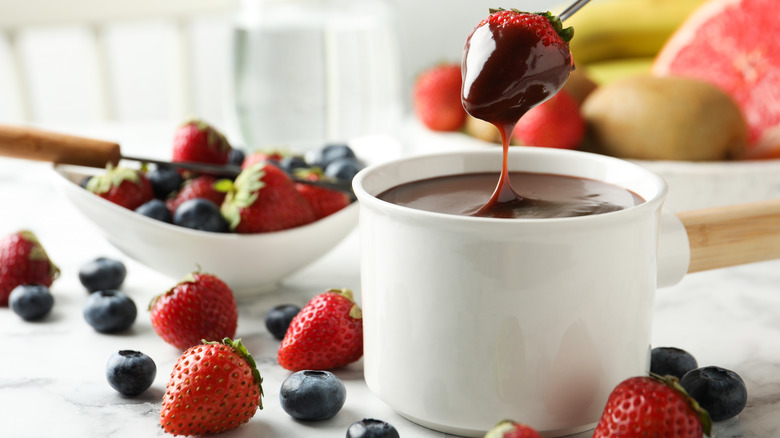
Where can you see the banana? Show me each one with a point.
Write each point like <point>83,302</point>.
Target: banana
<point>610,29</point>
<point>611,70</point>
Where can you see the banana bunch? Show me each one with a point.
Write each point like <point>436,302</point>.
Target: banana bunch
<point>606,30</point>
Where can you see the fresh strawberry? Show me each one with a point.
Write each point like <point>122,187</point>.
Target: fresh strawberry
<point>199,307</point>
<point>214,387</point>
<point>519,59</point>
<point>126,187</point>
<point>23,261</point>
<point>327,333</point>
<point>263,198</point>
<point>556,123</point>
<point>652,406</point>
<point>437,98</point>
<point>262,156</point>
<point>323,201</point>
<point>547,27</point>
<point>198,141</point>
<point>203,186</point>
<point>512,429</point>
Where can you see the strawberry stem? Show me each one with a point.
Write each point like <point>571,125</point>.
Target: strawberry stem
<point>566,34</point>
<point>355,311</point>
<point>704,416</point>
<point>243,193</point>
<point>113,177</point>
<point>37,253</point>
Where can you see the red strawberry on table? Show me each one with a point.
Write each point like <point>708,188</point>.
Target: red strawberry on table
<point>199,307</point>
<point>512,429</point>
<point>652,406</point>
<point>126,187</point>
<point>556,123</point>
<point>23,261</point>
<point>203,186</point>
<point>323,201</point>
<point>198,141</point>
<point>213,388</point>
<point>327,333</point>
<point>437,98</point>
<point>263,198</point>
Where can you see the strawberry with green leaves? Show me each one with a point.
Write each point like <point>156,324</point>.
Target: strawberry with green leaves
<point>197,141</point>
<point>436,98</point>
<point>23,261</point>
<point>201,306</point>
<point>512,429</point>
<point>214,387</point>
<point>263,198</point>
<point>126,187</point>
<point>652,406</point>
<point>327,333</point>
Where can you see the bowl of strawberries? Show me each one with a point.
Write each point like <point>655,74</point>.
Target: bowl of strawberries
<point>278,213</point>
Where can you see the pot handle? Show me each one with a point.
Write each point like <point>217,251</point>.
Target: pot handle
<point>674,251</point>
<point>718,237</point>
<point>733,235</point>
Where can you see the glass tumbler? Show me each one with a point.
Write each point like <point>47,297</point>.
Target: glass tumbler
<point>308,72</point>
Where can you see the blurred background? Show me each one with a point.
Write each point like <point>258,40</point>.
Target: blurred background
<point>91,61</point>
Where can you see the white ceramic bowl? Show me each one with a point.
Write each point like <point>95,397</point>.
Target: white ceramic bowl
<point>250,264</point>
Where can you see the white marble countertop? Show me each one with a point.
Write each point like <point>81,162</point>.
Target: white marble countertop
<point>52,380</point>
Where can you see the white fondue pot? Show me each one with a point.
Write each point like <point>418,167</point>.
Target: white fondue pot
<point>471,320</point>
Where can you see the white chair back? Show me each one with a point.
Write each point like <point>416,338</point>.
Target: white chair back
<point>98,60</point>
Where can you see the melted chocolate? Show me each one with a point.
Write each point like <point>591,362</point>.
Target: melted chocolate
<point>545,195</point>
<point>507,70</point>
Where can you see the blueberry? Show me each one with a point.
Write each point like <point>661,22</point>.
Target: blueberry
<point>719,391</point>
<point>371,428</point>
<point>278,319</point>
<point>31,301</point>
<point>312,395</point>
<point>156,209</point>
<point>671,361</point>
<point>84,181</point>
<point>291,163</point>
<point>325,155</point>
<point>236,157</point>
<point>344,169</point>
<point>165,180</point>
<point>200,214</point>
<point>110,311</point>
<point>102,274</point>
<point>130,372</point>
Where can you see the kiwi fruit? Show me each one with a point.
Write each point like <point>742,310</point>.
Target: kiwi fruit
<point>664,118</point>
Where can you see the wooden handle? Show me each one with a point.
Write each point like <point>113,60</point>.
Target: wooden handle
<point>35,144</point>
<point>733,235</point>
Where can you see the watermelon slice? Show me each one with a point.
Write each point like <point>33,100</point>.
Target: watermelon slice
<point>731,43</point>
